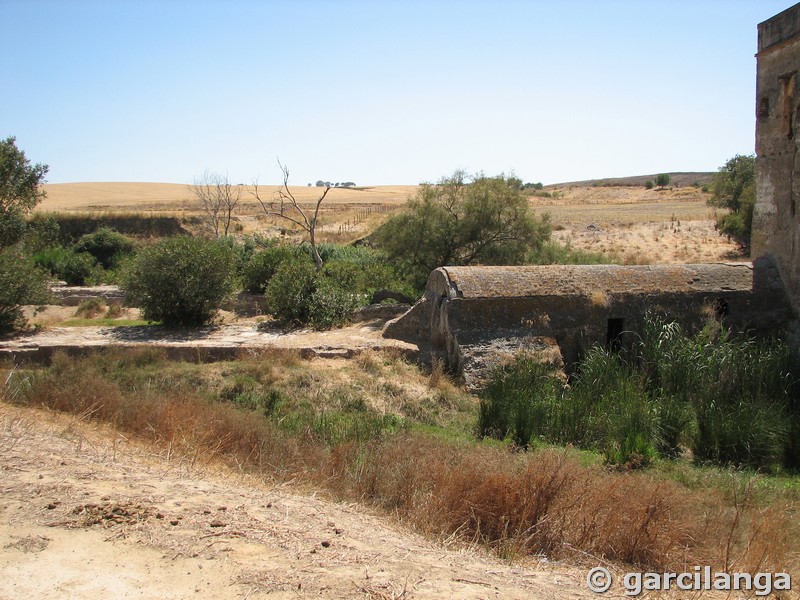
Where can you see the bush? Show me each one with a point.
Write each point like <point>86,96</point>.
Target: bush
<point>331,304</point>
<point>649,184</point>
<point>290,291</point>
<point>180,281</point>
<point>298,295</point>
<point>262,266</point>
<point>106,246</point>
<point>20,283</point>
<point>78,268</point>
<point>74,268</point>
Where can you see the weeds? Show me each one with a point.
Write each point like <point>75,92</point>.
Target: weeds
<point>543,501</point>
<point>727,400</point>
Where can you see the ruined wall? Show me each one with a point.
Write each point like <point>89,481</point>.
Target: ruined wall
<point>472,316</point>
<point>776,218</point>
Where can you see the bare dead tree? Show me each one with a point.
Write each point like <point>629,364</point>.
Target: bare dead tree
<point>218,199</point>
<point>285,206</point>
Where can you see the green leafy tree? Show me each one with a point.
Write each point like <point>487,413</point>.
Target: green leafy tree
<point>663,180</point>
<point>734,188</point>
<point>459,222</point>
<point>181,281</point>
<point>20,190</point>
<point>21,282</point>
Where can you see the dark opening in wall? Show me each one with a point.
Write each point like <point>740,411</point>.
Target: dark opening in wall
<point>614,334</point>
<point>720,308</point>
<point>763,107</point>
<point>788,84</point>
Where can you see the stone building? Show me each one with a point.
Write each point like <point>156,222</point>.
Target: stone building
<point>472,317</point>
<point>777,211</point>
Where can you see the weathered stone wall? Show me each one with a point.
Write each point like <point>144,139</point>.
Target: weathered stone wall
<point>470,312</point>
<point>776,217</point>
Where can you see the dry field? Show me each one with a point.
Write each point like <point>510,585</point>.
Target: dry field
<point>88,512</point>
<point>637,225</point>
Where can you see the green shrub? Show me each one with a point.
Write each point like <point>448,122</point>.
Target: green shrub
<point>180,281</point>
<point>262,266</point>
<point>298,295</point>
<point>21,282</point>
<point>106,246</point>
<point>72,267</point>
<point>290,291</point>
<point>332,303</point>
<point>78,268</point>
<point>50,259</point>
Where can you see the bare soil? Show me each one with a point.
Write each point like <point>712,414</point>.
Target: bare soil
<point>87,513</point>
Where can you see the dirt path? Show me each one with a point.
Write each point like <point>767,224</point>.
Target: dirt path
<point>87,513</point>
<point>206,343</point>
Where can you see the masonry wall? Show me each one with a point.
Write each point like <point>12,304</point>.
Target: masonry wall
<point>469,313</point>
<point>776,217</point>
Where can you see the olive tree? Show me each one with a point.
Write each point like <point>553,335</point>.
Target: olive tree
<point>20,190</point>
<point>462,221</point>
<point>734,188</point>
<point>180,281</point>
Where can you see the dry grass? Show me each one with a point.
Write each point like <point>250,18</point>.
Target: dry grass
<point>540,502</point>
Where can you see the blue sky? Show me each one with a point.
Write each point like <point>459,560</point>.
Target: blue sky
<point>381,92</point>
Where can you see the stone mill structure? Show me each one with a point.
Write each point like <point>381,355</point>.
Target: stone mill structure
<point>473,317</point>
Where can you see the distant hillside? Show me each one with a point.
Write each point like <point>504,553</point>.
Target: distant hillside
<point>681,179</point>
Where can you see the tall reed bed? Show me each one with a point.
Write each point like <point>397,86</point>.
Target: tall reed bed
<point>725,399</point>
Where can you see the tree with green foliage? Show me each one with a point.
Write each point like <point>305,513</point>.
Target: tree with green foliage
<point>734,188</point>
<point>180,281</point>
<point>21,282</point>
<point>662,180</point>
<point>458,221</point>
<point>20,190</point>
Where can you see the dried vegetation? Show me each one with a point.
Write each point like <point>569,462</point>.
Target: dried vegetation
<point>381,432</point>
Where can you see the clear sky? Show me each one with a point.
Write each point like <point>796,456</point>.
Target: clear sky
<point>378,92</point>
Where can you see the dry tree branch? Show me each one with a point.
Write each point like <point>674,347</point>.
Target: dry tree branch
<point>284,205</point>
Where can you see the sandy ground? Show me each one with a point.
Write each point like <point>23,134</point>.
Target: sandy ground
<point>87,513</point>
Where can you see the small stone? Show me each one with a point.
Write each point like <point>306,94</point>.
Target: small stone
<point>174,522</point>
<point>216,523</point>
<point>326,544</point>
<point>53,505</point>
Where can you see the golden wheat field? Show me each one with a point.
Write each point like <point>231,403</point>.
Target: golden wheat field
<point>673,225</point>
